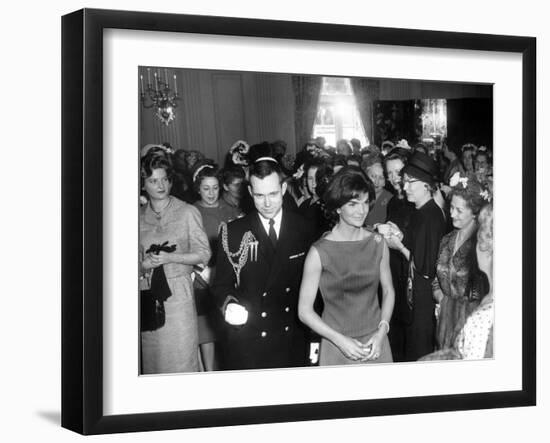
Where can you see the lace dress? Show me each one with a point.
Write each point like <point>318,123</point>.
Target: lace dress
<point>453,276</point>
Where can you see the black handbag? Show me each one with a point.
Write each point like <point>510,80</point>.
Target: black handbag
<point>152,313</point>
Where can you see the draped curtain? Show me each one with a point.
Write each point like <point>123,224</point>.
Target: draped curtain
<point>366,91</point>
<point>306,93</point>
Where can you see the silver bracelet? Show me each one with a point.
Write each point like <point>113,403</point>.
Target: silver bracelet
<point>384,322</point>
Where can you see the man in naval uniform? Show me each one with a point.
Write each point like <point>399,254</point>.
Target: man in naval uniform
<point>258,275</point>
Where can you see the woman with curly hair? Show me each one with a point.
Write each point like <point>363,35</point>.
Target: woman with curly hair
<point>214,212</point>
<point>474,341</point>
<point>456,260</point>
<point>171,242</point>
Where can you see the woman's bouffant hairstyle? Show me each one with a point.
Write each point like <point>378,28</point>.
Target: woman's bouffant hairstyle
<point>397,154</point>
<point>202,170</point>
<point>472,194</point>
<point>348,183</point>
<point>370,160</point>
<point>313,162</point>
<point>323,175</point>
<point>155,160</point>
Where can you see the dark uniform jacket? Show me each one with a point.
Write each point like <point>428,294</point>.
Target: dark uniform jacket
<point>273,336</point>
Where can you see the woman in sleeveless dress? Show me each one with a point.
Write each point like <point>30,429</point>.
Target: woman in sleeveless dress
<point>347,264</point>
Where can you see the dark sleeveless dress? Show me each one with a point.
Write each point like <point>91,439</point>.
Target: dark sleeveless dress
<point>349,284</point>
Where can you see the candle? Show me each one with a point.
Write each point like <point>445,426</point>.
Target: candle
<point>141,83</point>
<point>175,85</point>
<point>156,82</point>
<point>148,77</point>
<point>166,76</point>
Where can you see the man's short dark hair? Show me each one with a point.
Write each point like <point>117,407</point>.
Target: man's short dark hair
<point>261,169</point>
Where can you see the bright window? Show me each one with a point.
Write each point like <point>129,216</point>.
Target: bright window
<point>337,114</point>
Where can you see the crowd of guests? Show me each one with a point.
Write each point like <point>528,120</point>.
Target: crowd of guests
<point>344,255</point>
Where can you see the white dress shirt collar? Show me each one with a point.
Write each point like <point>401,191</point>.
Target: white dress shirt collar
<point>277,225</point>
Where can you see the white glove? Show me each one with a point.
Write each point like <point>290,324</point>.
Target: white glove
<point>384,229</point>
<point>394,230</point>
<point>206,274</point>
<point>235,314</point>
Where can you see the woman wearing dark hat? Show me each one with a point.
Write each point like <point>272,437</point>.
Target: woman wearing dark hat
<point>400,211</point>
<point>419,244</point>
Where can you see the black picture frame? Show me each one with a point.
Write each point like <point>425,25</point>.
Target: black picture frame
<point>82,218</point>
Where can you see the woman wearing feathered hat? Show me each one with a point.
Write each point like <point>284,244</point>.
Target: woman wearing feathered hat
<point>419,244</point>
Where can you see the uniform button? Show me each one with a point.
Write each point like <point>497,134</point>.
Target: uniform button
<point>264,334</point>
<point>264,294</point>
<point>264,314</point>
<point>287,328</point>
<point>287,309</point>
<point>287,289</point>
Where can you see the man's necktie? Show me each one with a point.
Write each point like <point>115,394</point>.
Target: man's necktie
<point>272,234</point>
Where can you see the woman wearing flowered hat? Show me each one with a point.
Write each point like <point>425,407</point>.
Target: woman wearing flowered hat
<point>238,155</point>
<point>475,340</point>
<point>419,244</point>
<point>456,260</point>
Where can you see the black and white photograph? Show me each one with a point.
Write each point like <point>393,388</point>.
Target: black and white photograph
<point>273,221</point>
<point>295,220</point>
